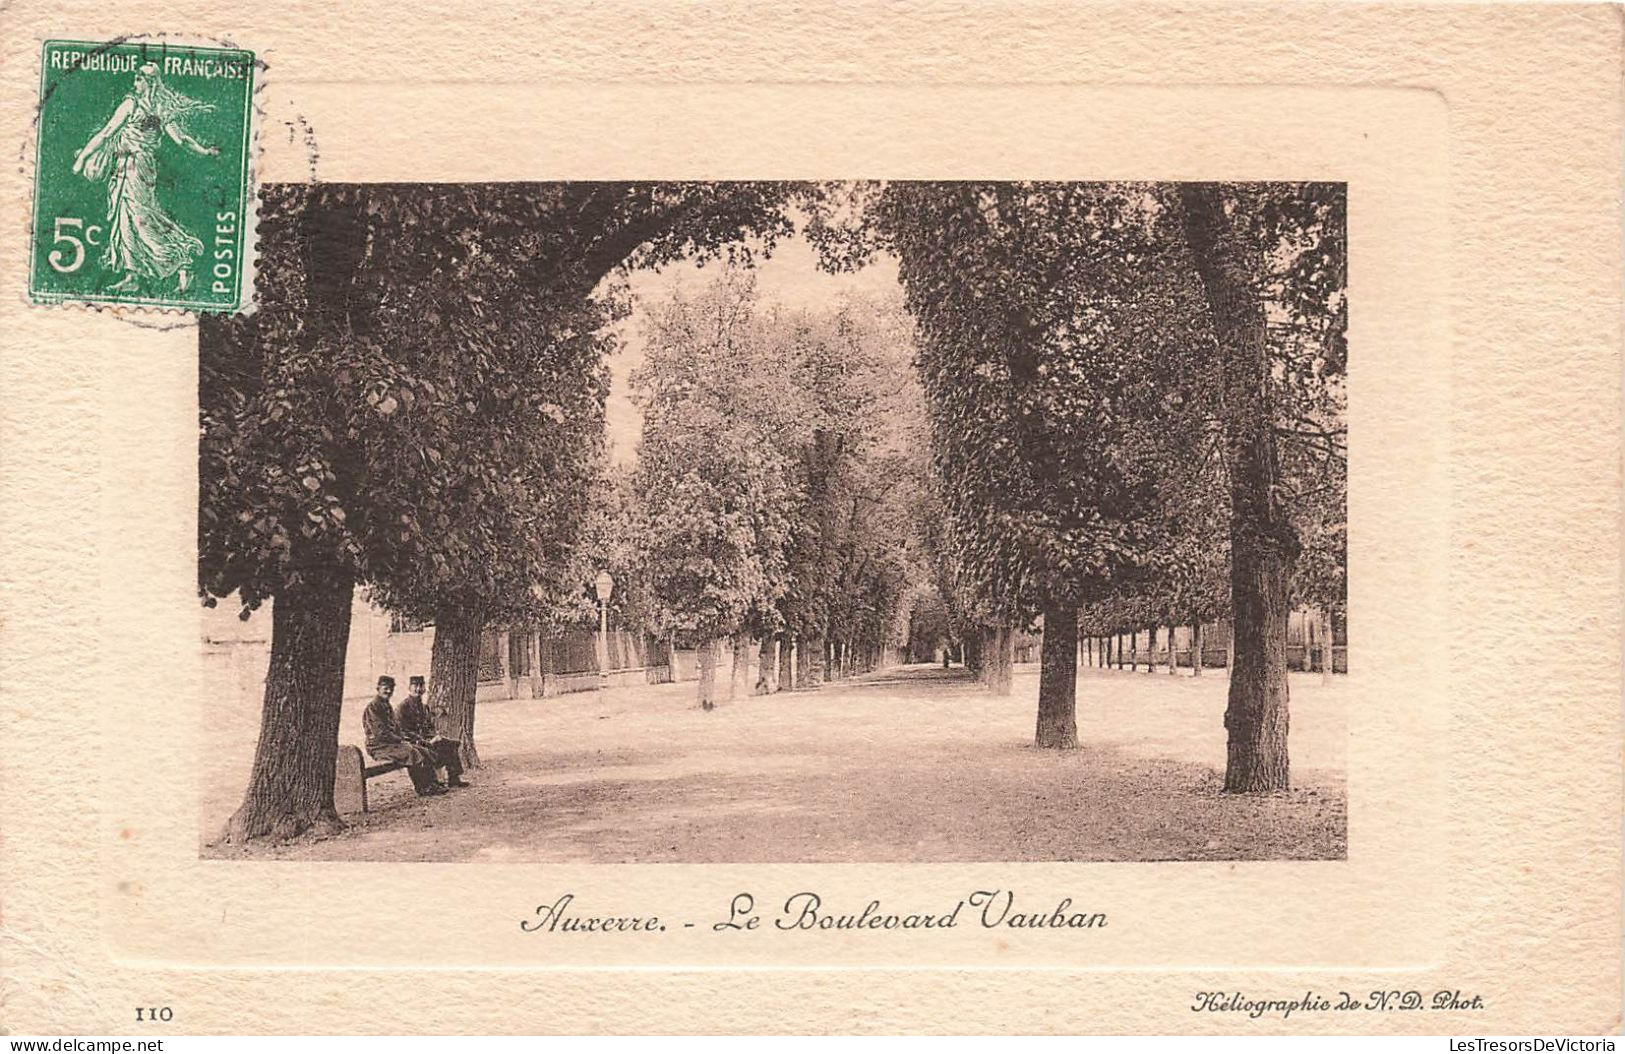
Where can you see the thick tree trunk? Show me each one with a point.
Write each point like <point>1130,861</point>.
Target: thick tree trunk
<point>1257,714</point>
<point>454,676</point>
<point>1196,648</point>
<point>767,666</point>
<point>740,673</point>
<point>787,664</point>
<point>1001,662</point>
<point>290,787</point>
<point>1326,645</point>
<point>544,664</point>
<point>1262,543</point>
<point>506,646</point>
<point>810,673</point>
<point>706,688</point>
<point>1058,680</point>
<point>668,661</point>
<point>533,649</point>
<point>1173,652</point>
<point>1340,627</point>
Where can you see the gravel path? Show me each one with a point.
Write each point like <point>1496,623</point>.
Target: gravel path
<point>906,765</point>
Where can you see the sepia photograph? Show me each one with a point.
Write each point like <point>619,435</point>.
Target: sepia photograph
<point>744,518</point>
<point>779,522</point>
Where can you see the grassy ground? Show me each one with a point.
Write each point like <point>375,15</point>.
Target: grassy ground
<point>908,765</point>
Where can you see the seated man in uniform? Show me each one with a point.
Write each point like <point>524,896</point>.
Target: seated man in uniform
<point>417,726</point>
<point>385,742</point>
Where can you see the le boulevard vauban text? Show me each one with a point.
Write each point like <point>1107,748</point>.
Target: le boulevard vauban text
<point>806,911</point>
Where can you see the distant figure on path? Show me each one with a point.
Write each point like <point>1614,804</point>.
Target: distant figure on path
<point>385,742</point>
<point>417,727</point>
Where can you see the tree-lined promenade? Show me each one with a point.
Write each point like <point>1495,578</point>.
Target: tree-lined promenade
<point>1089,410</point>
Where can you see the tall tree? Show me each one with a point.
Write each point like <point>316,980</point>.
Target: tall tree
<point>503,526</point>
<point>1232,233</point>
<point>310,414</point>
<point>1078,341</point>
<point>857,451</point>
<point>768,475</point>
<point>1051,328</point>
<point>710,483</point>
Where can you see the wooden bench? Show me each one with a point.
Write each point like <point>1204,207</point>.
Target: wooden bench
<point>350,779</point>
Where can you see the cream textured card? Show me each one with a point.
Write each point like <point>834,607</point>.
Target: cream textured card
<point>1478,729</point>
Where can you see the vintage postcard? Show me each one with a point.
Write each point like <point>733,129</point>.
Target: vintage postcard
<point>1013,520</point>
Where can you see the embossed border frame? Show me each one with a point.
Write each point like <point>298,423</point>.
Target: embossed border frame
<point>1530,512</point>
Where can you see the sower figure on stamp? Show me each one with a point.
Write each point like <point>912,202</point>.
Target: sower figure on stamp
<point>385,742</point>
<point>142,240</point>
<point>417,726</point>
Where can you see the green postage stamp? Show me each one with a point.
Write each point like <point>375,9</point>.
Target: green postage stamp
<point>142,176</point>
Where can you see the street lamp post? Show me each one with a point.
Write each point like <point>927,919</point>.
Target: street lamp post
<point>602,587</point>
